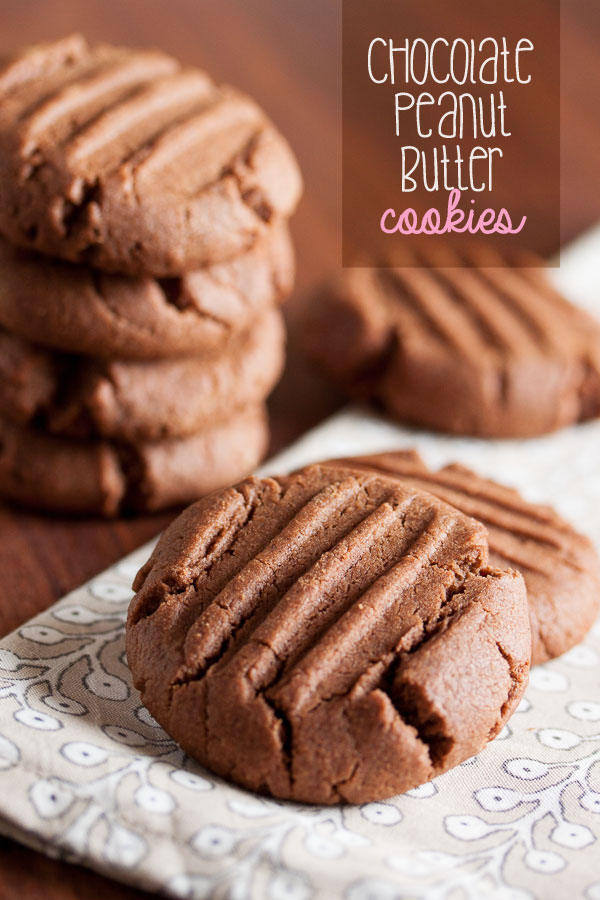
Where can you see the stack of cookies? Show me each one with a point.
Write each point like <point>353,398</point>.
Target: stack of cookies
<point>143,258</point>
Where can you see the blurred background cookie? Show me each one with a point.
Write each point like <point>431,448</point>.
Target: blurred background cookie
<point>485,350</point>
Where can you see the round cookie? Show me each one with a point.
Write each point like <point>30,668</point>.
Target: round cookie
<point>483,351</point>
<point>82,310</point>
<point>83,398</point>
<point>126,161</point>
<point>560,567</point>
<point>327,636</point>
<point>97,477</point>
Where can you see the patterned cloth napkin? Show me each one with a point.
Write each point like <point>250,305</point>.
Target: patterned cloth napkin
<point>86,773</point>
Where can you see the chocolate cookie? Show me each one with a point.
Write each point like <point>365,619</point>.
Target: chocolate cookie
<point>145,401</point>
<point>560,567</point>
<point>126,161</point>
<point>61,476</point>
<point>81,310</point>
<point>327,636</point>
<point>482,351</point>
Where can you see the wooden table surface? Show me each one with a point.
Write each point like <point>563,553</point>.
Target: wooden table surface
<point>287,54</point>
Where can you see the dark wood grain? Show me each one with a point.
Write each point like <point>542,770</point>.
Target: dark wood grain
<point>287,54</point>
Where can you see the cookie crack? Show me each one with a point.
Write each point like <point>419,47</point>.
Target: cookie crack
<point>132,466</point>
<point>338,786</point>
<point>74,215</point>
<point>65,409</point>
<point>123,322</point>
<point>174,295</point>
<point>515,674</point>
<point>286,736</point>
<point>414,708</point>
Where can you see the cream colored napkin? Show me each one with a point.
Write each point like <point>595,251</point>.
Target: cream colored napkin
<point>85,772</point>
